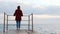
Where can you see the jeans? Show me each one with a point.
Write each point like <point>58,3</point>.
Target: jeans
<point>18,24</point>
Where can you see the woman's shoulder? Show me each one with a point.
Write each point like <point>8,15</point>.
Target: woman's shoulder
<point>18,10</point>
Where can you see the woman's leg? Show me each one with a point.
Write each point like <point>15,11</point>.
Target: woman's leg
<point>17,24</point>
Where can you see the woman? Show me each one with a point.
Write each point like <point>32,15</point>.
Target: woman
<point>18,16</point>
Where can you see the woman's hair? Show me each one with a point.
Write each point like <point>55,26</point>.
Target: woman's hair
<point>18,7</point>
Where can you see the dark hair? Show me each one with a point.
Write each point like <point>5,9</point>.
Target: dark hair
<point>18,7</point>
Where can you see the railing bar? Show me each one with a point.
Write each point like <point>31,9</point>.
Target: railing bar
<point>32,22</point>
<point>28,23</point>
<point>22,20</point>
<point>12,15</point>
<point>4,23</point>
<point>7,24</point>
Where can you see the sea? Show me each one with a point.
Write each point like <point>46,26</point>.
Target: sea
<point>40,28</point>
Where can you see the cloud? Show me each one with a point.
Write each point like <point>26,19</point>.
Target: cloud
<point>41,2</point>
<point>46,19</point>
<point>39,7</point>
<point>48,10</point>
<point>8,0</point>
<point>46,16</point>
<point>10,7</point>
<point>53,2</point>
<point>36,2</point>
<point>0,0</point>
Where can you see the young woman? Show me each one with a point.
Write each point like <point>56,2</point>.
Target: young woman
<point>18,16</point>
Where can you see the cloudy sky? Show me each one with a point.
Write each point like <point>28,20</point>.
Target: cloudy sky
<point>44,10</point>
<point>38,6</point>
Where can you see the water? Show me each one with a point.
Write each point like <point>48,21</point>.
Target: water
<point>48,28</point>
<point>40,28</point>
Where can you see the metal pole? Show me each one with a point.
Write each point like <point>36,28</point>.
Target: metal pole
<point>4,23</point>
<point>7,24</point>
<point>28,22</point>
<point>32,22</point>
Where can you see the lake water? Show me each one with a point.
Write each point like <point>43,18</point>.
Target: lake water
<point>40,28</point>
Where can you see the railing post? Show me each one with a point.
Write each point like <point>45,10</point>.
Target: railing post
<point>28,22</point>
<point>32,22</point>
<point>7,24</point>
<point>4,23</point>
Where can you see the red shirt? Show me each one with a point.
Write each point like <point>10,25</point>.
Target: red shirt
<point>18,13</point>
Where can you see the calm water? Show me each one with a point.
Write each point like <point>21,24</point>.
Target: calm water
<point>40,28</point>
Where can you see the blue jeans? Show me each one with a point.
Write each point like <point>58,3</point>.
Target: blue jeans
<point>18,24</point>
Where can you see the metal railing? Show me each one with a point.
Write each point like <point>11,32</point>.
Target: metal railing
<point>6,24</point>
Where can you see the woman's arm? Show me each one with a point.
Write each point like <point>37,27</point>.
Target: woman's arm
<point>15,13</point>
<point>21,13</point>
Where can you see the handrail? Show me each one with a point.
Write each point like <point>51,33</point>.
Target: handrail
<point>22,20</point>
<point>23,15</point>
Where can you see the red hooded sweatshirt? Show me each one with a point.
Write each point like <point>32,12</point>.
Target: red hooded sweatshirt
<point>18,14</point>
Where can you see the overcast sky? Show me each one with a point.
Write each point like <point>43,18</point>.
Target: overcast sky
<point>44,8</point>
<point>51,7</point>
<point>36,2</point>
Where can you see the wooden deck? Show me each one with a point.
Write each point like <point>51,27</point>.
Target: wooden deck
<point>19,32</point>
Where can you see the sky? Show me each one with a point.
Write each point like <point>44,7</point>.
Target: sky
<point>38,6</point>
<point>36,2</point>
<point>45,10</point>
